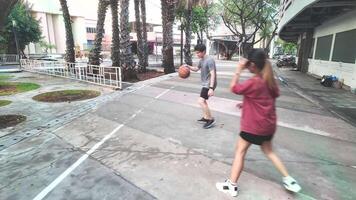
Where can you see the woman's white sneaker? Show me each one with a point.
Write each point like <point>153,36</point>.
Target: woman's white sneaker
<point>291,184</point>
<point>227,187</point>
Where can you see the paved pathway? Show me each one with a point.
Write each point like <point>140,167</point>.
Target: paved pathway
<point>144,143</point>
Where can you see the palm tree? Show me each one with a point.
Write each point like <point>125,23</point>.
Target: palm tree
<point>139,34</point>
<point>94,57</point>
<point>168,9</point>
<point>115,48</point>
<point>144,31</point>
<point>70,54</point>
<point>188,33</point>
<point>186,18</point>
<point>127,61</point>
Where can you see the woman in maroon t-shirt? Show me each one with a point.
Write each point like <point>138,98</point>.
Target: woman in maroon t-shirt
<point>258,120</point>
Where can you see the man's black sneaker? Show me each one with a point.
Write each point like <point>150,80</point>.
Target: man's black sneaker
<point>210,123</point>
<point>202,120</point>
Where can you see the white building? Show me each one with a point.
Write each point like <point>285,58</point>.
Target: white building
<point>84,18</point>
<point>325,31</point>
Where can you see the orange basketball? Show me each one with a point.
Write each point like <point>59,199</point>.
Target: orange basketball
<point>184,71</point>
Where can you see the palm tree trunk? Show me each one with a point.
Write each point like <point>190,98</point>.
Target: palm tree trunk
<point>127,61</point>
<point>115,48</point>
<point>167,7</point>
<point>139,34</point>
<point>144,31</point>
<point>70,54</point>
<point>94,57</point>
<point>188,34</point>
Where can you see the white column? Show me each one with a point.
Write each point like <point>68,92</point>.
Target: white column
<point>60,34</point>
<point>51,35</point>
<point>271,47</point>
<point>208,46</point>
<point>79,32</point>
<point>332,47</point>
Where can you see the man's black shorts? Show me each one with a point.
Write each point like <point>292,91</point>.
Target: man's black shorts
<point>255,139</point>
<point>204,93</point>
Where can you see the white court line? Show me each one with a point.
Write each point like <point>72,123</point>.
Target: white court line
<point>304,128</point>
<point>297,127</point>
<point>60,178</point>
<point>307,129</point>
<point>163,93</point>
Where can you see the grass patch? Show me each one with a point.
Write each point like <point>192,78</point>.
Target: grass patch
<point>4,102</point>
<point>9,88</point>
<point>5,77</point>
<point>66,95</point>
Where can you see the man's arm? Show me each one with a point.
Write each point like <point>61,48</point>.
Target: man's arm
<point>211,84</point>
<point>195,69</point>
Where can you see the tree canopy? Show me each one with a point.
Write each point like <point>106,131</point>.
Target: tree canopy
<point>204,17</point>
<point>250,20</point>
<point>26,27</point>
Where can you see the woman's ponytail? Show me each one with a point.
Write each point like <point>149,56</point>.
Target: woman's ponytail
<point>268,76</point>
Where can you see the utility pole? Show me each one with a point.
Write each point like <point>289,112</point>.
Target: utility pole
<point>156,43</point>
<point>181,45</point>
<point>16,41</point>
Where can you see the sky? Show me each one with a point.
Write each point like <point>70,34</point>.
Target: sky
<point>153,11</point>
<point>88,8</point>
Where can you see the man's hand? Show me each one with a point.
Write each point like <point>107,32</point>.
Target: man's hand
<point>211,92</point>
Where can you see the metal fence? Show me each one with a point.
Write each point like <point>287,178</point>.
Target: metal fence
<point>105,76</point>
<point>9,59</point>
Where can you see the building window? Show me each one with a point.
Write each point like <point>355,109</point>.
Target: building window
<point>344,47</point>
<point>323,47</point>
<point>93,30</point>
<point>90,42</point>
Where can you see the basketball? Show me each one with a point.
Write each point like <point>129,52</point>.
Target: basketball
<point>184,71</point>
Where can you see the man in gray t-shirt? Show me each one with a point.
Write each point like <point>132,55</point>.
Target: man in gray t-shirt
<point>208,79</point>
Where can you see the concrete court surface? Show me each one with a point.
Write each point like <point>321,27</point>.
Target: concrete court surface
<point>144,143</point>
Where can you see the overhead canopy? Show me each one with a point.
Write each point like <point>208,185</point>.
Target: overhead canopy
<point>311,16</point>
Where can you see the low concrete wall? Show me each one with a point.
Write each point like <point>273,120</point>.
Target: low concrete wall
<point>344,71</point>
